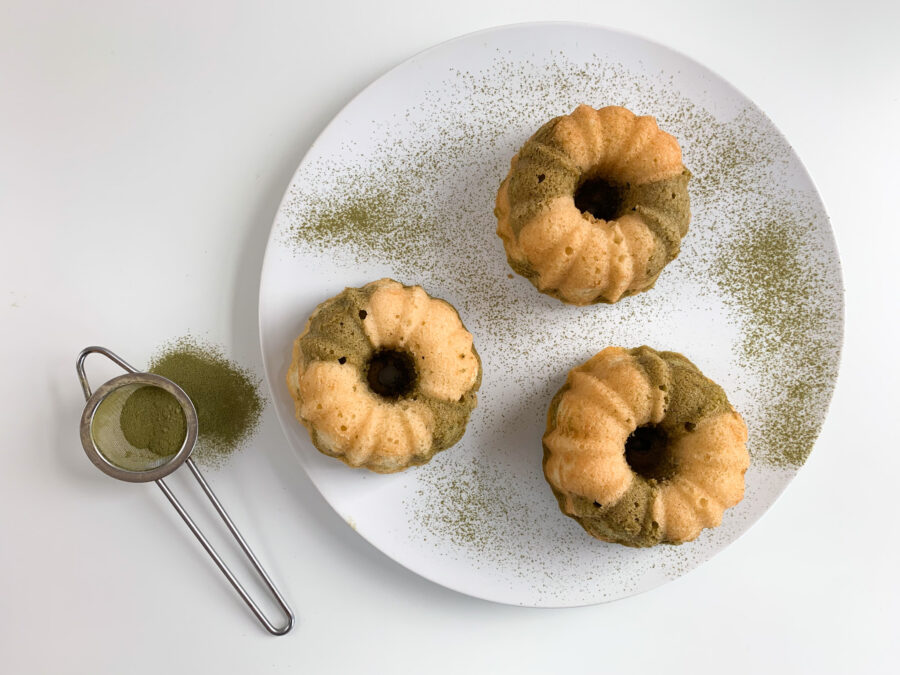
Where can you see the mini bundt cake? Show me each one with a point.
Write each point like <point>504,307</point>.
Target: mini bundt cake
<point>642,449</point>
<point>384,376</point>
<point>594,206</point>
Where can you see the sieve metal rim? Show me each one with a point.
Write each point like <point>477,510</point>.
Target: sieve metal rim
<point>147,379</point>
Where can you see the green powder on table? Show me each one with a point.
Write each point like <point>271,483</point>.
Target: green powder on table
<point>225,396</point>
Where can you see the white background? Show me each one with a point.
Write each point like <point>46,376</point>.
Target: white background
<point>143,152</point>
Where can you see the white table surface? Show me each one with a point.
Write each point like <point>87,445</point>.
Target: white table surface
<point>143,152</point>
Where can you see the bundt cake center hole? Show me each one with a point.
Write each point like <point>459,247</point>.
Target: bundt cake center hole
<point>600,198</point>
<point>391,373</point>
<point>647,453</point>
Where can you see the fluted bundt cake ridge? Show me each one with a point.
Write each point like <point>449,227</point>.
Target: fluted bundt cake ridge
<point>384,376</point>
<point>642,449</point>
<point>594,206</point>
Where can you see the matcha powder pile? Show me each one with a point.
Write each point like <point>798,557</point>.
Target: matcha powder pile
<point>152,420</point>
<point>226,398</point>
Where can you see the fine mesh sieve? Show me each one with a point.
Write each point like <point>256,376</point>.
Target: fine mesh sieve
<point>108,447</point>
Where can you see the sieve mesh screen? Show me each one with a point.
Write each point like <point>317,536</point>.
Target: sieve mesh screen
<point>138,427</point>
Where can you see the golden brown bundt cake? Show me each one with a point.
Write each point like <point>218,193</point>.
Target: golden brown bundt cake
<point>642,449</point>
<point>594,206</point>
<point>384,376</point>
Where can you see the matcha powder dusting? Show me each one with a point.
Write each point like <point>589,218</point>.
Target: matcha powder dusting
<point>226,396</point>
<point>771,275</point>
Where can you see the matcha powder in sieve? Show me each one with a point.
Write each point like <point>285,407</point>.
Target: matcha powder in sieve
<point>152,419</point>
<point>226,398</point>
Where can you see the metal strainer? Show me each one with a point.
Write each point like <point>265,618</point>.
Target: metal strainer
<point>111,452</point>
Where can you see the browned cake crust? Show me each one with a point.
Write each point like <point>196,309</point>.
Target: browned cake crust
<point>570,253</point>
<point>407,335</point>
<point>687,472</point>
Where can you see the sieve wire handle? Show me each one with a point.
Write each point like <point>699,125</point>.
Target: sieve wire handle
<point>87,351</point>
<point>245,596</point>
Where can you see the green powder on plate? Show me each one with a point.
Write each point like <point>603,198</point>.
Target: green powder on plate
<point>768,272</point>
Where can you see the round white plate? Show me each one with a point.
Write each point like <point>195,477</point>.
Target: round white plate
<point>402,184</point>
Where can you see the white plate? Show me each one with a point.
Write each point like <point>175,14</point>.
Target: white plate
<point>755,298</point>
